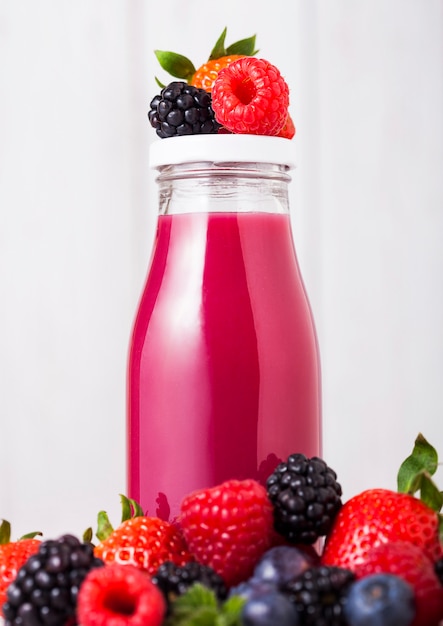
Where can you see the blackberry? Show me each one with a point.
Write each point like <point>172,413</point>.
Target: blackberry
<point>46,587</point>
<point>306,498</point>
<point>182,109</point>
<point>319,595</point>
<point>174,580</point>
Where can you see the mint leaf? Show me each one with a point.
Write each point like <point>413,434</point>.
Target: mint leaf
<point>423,460</point>
<point>219,49</point>
<point>175,64</point>
<point>244,47</point>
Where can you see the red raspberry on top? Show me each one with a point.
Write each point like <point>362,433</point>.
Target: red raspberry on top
<point>228,527</point>
<point>250,96</point>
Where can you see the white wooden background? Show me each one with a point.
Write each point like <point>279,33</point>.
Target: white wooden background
<point>77,217</point>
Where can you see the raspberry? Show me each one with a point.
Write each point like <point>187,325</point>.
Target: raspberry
<point>120,594</point>
<point>182,109</point>
<point>250,96</point>
<point>288,130</point>
<point>319,595</point>
<point>408,561</point>
<point>46,586</point>
<point>306,498</point>
<point>228,527</point>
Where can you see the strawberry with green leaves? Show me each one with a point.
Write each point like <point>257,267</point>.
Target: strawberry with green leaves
<point>378,516</point>
<point>142,541</point>
<point>383,531</point>
<point>204,76</point>
<point>13,555</point>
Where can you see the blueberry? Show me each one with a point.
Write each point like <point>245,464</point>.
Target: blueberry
<point>282,564</point>
<point>269,609</point>
<point>252,588</point>
<point>380,600</point>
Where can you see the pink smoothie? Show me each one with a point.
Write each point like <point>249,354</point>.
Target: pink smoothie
<point>223,376</point>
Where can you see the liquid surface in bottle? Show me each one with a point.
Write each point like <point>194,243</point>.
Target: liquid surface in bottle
<point>223,378</point>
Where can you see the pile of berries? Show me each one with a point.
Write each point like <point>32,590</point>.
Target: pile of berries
<point>232,92</point>
<point>288,552</point>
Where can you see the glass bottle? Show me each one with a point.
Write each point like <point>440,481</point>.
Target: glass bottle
<point>224,370</point>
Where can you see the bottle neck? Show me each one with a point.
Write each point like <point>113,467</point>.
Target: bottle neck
<point>223,188</point>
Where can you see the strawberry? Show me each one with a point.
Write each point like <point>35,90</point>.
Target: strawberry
<point>378,516</point>
<point>142,541</point>
<point>375,517</point>
<point>250,96</point>
<point>228,527</point>
<point>408,561</point>
<point>121,595</point>
<point>203,77</point>
<point>13,555</point>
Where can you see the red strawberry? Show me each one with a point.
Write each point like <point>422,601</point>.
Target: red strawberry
<point>377,516</point>
<point>119,595</point>
<point>228,527</point>
<point>408,561</point>
<point>250,96</point>
<point>13,555</point>
<point>145,542</point>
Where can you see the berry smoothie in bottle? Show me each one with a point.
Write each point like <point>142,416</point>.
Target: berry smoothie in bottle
<point>224,375</point>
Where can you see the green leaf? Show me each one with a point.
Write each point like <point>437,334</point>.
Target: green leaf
<point>175,64</point>
<point>159,83</point>
<point>5,532</point>
<point>231,611</point>
<point>31,535</point>
<point>130,508</point>
<point>429,493</point>
<point>424,459</point>
<point>219,49</point>
<point>440,528</point>
<point>197,607</point>
<point>87,535</point>
<point>104,526</point>
<point>244,47</point>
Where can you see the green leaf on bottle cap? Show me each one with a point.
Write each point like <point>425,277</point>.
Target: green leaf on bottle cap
<point>175,64</point>
<point>219,49</point>
<point>415,474</point>
<point>245,47</point>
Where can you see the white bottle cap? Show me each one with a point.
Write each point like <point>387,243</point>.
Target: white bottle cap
<point>222,148</point>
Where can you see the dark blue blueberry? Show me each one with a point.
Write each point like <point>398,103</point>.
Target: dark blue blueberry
<point>282,564</point>
<point>380,600</point>
<point>269,609</point>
